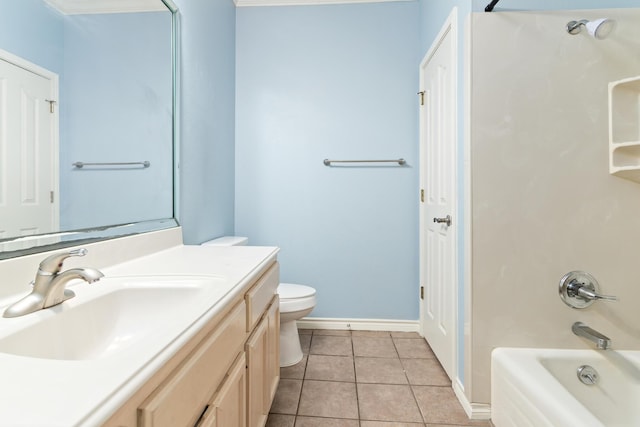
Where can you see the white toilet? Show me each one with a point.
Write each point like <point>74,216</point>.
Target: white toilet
<point>296,302</point>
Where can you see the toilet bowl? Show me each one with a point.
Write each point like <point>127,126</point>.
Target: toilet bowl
<point>296,302</point>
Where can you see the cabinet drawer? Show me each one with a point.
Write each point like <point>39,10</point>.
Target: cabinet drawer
<point>260,295</point>
<point>183,396</point>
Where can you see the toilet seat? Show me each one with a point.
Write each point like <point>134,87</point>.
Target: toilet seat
<point>295,297</point>
<point>291,291</point>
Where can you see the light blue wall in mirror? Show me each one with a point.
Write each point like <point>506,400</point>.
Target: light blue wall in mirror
<point>40,41</point>
<point>116,106</point>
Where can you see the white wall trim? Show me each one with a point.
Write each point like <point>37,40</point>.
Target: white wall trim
<point>358,324</point>
<point>475,411</point>
<point>468,208</point>
<point>27,65</point>
<point>244,3</point>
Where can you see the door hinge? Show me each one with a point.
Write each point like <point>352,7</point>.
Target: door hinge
<point>51,196</point>
<point>421,292</point>
<point>51,105</point>
<point>421,93</point>
<point>422,195</point>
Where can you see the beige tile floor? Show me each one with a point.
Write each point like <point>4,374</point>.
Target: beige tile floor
<point>366,379</point>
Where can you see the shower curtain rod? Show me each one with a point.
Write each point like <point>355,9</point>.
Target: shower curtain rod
<point>491,5</point>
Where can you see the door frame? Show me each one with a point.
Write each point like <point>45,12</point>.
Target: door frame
<point>450,27</point>
<point>55,126</point>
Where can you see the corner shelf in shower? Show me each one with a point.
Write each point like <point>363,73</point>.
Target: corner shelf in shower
<point>624,128</point>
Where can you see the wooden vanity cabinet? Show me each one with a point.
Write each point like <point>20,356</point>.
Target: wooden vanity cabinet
<point>226,376</point>
<point>181,399</point>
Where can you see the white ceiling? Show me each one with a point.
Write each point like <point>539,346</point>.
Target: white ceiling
<point>72,7</point>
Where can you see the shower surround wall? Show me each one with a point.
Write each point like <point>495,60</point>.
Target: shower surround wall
<point>542,200</point>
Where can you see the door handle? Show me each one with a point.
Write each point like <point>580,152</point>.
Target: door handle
<point>445,220</point>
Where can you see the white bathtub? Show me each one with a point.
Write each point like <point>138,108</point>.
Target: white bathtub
<point>533,387</point>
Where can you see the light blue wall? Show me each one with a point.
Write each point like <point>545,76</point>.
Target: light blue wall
<point>41,41</point>
<point>207,118</point>
<point>339,81</point>
<point>115,106</point>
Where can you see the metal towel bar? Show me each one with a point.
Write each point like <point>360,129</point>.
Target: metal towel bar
<point>401,162</point>
<point>144,164</point>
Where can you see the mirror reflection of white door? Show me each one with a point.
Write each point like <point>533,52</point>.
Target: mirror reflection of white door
<point>28,148</point>
<point>438,77</point>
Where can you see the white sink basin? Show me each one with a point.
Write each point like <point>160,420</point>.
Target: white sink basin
<point>107,317</point>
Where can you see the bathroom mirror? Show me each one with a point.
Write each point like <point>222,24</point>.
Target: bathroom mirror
<point>88,119</point>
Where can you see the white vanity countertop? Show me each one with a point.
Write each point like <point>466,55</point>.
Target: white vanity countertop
<point>49,393</point>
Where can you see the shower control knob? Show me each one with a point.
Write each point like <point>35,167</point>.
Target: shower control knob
<point>579,290</point>
<point>446,220</point>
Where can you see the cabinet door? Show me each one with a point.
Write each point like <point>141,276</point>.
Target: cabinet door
<point>263,366</point>
<point>256,350</point>
<point>231,400</point>
<point>273,353</point>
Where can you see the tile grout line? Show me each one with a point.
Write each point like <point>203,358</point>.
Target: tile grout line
<point>355,377</point>
<point>424,421</point>
<point>304,374</point>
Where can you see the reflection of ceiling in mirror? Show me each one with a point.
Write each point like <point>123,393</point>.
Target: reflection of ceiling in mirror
<point>71,7</point>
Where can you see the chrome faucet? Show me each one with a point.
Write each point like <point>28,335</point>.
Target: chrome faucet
<point>49,284</point>
<point>580,329</point>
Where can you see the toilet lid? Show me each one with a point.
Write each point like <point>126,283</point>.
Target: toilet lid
<point>293,291</point>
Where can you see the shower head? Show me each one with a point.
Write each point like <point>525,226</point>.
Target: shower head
<point>598,28</point>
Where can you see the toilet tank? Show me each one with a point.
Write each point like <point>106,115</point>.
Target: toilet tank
<point>227,241</point>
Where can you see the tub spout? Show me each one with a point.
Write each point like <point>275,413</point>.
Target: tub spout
<point>602,342</point>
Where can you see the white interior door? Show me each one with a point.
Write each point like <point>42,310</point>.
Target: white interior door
<point>438,79</point>
<point>28,150</point>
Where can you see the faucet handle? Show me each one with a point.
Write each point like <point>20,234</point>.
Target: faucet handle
<point>579,290</point>
<point>53,263</point>
<point>592,295</point>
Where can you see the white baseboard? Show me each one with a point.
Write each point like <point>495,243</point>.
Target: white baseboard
<point>359,324</point>
<point>475,411</point>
